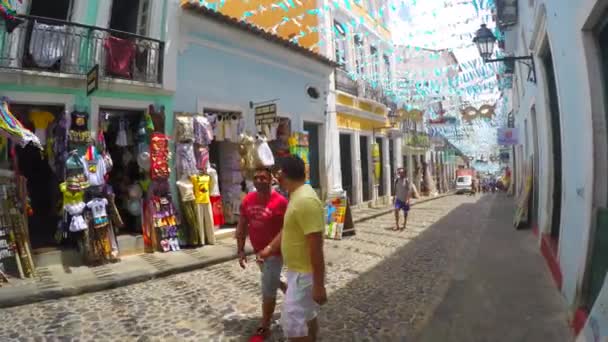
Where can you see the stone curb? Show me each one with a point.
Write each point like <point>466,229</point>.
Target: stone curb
<point>388,210</point>
<point>10,297</point>
<point>15,296</point>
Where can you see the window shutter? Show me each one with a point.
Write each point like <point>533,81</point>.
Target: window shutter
<point>143,17</point>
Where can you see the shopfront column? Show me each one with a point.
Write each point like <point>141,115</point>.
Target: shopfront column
<point>332,154</point>
<point>357,172</point>
<point>386,167</point>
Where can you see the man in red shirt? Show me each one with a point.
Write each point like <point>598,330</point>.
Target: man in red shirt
<point>261,217</point>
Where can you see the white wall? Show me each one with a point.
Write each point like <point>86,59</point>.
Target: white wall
<point>559,23</point>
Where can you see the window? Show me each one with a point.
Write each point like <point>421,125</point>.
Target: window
<point>340,44</point>
<point>130,16</point>
<point>373,51</point>
<point>389,72</point>
<point>58,9</point>
<point>360,56</point>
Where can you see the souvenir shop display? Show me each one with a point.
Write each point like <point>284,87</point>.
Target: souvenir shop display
<point>338,219</point>
<point>215,197</point>
<point>13,129</point>
<point>15,251</point>
<point>204,212</point>
<point>298,145</point>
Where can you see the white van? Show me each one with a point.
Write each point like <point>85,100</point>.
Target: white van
<point>464,184</point>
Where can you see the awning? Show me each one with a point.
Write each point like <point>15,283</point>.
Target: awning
<point>14,130</point>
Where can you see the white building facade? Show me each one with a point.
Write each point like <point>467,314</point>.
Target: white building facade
<point>561,120</point>
<point>360,101</point>
<point>416,81</point>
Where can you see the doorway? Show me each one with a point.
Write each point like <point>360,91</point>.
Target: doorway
<point>391,163</point>
<point>598,260</point>
<point>313,153</point>
<point>126,177</point>
<point>363,150</point>
<point>346,165</point>
<point>381,186</point>
<point>535,169</point>
<point>556,142</point>
<point>42,182</point>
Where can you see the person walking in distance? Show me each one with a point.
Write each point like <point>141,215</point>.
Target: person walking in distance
<point>261,217</point>
<point>403,191</point>
<point>301,244</point>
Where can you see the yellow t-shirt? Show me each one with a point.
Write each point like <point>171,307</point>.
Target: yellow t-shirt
<point>304,216</point>
<point>41,120</point>
<point>70,197</point>
<point>201,188</point>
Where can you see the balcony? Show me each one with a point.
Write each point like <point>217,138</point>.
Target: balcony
<point>418,140</point>
<point>345,83</point>
<point>57,46</point>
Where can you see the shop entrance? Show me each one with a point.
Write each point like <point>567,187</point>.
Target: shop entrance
<point>363,149</point>
<point>391,163</point>
<point>598,261</point>
<point>126,177</point>
<point>556,142</point>
<point>381,186</point>
<point>346,164</point>
<point>38,169</point>
<point>224,158</point>
<point>313,158</point>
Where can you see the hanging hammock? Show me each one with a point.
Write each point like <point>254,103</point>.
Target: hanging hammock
<point>14,130</point>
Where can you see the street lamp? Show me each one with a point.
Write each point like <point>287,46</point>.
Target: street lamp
<point>485,40</point>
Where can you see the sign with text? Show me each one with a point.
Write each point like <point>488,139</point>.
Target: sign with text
<point>93,80</point>
<point>507,136</point>
<point>266,114</point>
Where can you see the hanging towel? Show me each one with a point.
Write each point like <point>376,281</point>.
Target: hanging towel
<point>47,44</point>
<point>119,58</point>
<point>121,137</point>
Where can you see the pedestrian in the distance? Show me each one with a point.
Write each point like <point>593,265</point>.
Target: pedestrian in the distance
<point>403,192</point>
<point>301,244</point>
<point>261,217</point>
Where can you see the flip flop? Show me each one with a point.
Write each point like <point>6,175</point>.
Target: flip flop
<point>260,335</point>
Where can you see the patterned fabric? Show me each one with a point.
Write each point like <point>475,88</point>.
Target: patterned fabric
<point>186,161</point>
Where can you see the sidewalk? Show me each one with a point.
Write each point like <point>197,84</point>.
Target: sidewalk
<point>59,281</point>
<point>501,290</point>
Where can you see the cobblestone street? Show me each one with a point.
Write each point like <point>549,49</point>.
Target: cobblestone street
<point>383,286</point>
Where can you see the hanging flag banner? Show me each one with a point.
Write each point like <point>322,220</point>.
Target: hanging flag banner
<point>507,136</point>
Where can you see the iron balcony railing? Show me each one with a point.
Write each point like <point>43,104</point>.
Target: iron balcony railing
<point>345,83</point>
<point>51,45</point>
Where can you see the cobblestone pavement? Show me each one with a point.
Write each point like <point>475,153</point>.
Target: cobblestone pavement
<point>382,287</point>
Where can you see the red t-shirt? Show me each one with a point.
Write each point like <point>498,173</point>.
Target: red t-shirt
<point>264,218</point>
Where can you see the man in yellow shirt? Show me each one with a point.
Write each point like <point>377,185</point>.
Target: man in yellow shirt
<point>301,244</point>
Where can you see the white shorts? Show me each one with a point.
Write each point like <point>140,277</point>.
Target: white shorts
<point>298,307</point>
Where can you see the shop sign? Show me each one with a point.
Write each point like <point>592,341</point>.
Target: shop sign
<point>92,80</point>
<point>266,114</point>
<point>507,136</point>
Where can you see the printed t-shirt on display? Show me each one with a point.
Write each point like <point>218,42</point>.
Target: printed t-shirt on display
<point>304,216</point>
<point>264,217</point>
<point>41,121</point>
<point>201,188</point>
<point>70,197</point>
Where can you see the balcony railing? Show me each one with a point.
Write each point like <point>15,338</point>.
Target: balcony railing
<point>50,45</point>
<point>345,83</point>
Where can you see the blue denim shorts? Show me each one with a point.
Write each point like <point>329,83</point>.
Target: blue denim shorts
<point>400,205</point>
<point>271,276</point>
